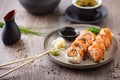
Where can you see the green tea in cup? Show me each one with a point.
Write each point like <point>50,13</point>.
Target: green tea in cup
<point>86,3</point>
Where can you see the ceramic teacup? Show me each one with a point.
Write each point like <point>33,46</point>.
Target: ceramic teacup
<point>88,13</point>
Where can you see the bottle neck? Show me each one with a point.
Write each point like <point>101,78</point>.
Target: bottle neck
<point>9,21</point>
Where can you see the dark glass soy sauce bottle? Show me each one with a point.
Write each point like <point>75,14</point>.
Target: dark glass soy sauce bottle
<point>10,32</point>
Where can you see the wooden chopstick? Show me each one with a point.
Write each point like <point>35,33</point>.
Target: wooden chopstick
<point>31,59</point>
<point>13,62</point>
<point>24,63</point>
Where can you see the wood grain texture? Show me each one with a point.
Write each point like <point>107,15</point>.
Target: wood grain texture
<point>44,69</point>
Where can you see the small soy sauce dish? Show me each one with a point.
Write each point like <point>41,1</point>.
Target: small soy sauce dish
<point>68,33</point>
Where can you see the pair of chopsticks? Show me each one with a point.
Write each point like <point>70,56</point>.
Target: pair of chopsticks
<point>30,59</point>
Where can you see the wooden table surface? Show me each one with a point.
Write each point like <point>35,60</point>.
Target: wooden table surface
<point>43,68</point>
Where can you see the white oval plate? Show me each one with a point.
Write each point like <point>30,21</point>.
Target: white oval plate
<point>84,64</point>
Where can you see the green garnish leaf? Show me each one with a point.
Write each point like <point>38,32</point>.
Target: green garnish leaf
<point>94,30</point>
<point>1,24</point>
<point>27,31</point>
<point>23,30</point>
<point>55,52</point>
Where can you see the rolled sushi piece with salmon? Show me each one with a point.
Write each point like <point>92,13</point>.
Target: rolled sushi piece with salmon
<point>74,54</point>
<point>88,34</point>
<point>95,52</point>
<point>101,46</point>
<point>86,37</point>
<point>84,40</point>
<point>106,32</point>
<point>104,39</point>
<point>81,45</point>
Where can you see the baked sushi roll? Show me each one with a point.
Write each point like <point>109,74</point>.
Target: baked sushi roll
<point>88,34</point>
<point>81,45</point>
<point>101,46</point>
<point>95,52</point>
<point>84,40</point>
<point>106,32</point>
<point>104,39</point>
<point>74,54</point>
